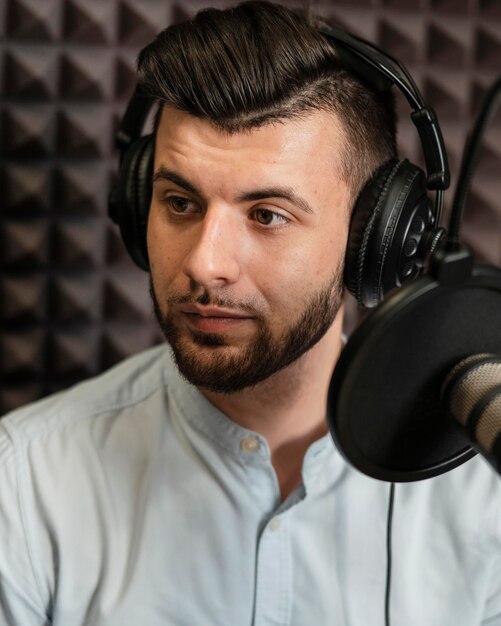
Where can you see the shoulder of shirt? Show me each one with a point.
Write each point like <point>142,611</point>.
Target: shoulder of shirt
<point>475,476</point>
<point>128,383</point>
<point>470,493</point>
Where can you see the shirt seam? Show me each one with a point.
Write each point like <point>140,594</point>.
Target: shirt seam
<point>58,426</point>
<point>20,475</point>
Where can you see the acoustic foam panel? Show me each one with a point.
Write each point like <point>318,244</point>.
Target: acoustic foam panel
<point>72,304</point>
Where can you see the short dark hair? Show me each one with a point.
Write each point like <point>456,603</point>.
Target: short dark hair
<point>260,62</point>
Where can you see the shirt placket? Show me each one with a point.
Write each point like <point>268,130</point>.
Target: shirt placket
<point>273,574</point>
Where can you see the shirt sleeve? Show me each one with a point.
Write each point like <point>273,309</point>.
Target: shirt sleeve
<point>20,599</point>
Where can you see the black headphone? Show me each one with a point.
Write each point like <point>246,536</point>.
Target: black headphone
<point>394,226</point>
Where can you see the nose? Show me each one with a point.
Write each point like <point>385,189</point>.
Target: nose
<point>214,257</point>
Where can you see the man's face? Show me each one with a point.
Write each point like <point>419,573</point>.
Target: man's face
<point>246,241</point>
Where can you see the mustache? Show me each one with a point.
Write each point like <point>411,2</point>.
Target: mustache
<point>207,299</point>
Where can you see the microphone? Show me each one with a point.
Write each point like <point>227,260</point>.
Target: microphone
<point>417,389</point>
<point>400,408</point>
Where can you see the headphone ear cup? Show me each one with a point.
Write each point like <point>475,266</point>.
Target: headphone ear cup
<point>131,198</point>
<point>388,222</point>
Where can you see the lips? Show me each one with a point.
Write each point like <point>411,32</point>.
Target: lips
<point>213,319</point>
<point>211,311</point>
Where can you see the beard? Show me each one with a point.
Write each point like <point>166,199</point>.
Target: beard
<point>264,356</point>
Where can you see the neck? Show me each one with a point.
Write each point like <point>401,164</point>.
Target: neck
<point>289,408</point>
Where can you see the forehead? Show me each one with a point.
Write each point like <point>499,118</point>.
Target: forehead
<point>308,146</point>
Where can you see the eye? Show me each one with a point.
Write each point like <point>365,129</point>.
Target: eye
<point>180,205</point>
<point>269,218</point>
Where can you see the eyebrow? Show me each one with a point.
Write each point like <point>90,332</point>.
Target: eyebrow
<point>163,173</point>
<point>286,193</point>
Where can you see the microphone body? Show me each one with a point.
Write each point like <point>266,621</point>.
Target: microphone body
<point>472,395</point>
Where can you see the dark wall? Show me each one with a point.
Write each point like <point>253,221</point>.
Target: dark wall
<point>71,304</point>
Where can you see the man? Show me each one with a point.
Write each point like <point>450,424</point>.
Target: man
<point>204,489</point>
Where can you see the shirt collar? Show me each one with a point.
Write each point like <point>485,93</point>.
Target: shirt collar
<point>243,444</point>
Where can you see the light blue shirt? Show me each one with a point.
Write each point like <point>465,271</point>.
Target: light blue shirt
<point>131,500</point>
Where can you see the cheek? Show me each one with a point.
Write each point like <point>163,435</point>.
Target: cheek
<point>161,250</point>
<point>320,254</point>
<point>331,248</point>
<point>289,277</point>
<point>163,244</point>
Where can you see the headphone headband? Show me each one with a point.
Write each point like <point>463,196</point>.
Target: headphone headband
<point>380,71</point>
<point>133,119</point>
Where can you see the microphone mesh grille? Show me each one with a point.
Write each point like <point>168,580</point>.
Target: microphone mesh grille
<point>462,365</point>
<point>470,389</point>
<point>489,424</point>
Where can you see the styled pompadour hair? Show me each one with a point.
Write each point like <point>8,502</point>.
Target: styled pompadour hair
<point>259,63</point>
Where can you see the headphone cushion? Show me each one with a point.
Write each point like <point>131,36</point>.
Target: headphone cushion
<point>393,190</point>
<point>134,198</point>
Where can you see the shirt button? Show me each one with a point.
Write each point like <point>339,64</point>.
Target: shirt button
<point>274,524</point>
<point>249,444</point>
